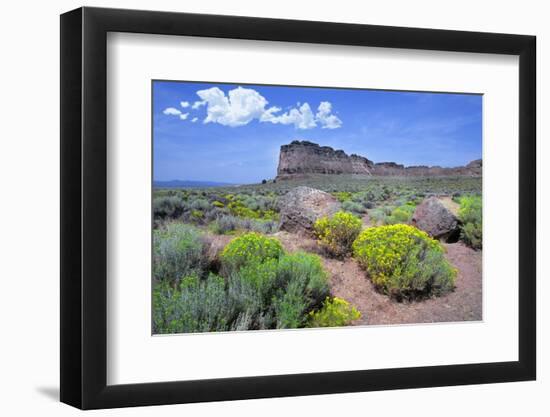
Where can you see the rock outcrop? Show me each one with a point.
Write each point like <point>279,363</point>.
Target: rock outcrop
<point>438,218</point>
<point>302,158</point>
<point>301,206</point>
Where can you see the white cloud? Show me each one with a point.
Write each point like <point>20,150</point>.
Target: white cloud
<point>198,104</point>
<point>326,118</point>
<point>241,105</point>
<point>268,116</point>
<point>172,111</point>
<point>238,108</point>
<point>301,118</point>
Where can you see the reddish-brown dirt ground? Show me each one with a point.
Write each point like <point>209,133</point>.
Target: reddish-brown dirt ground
<point>349,282</point>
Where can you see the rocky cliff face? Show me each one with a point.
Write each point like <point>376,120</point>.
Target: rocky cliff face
<point>300,158</point>
<point>309,158</point>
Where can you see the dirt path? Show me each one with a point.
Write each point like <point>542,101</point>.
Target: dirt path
<point>366,220</point>
<point>348,281</point>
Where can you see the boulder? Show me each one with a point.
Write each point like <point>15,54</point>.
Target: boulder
<point>301,206</point>
<point>438,218</point>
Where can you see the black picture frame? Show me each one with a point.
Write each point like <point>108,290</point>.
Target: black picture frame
<point>84,207</point>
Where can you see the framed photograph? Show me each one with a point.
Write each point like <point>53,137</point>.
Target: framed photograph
<point>256,208</point>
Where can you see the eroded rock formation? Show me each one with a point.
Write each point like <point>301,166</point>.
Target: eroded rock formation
<point>302,158</point>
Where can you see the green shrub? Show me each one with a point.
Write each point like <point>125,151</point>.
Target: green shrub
<point>472,235</point>
<point>336,312</point>
<point>250,248</point>
<point>177,252</point>
<point>213,214</point>
<point>378,193</point>
<point>301,286</point>
<point>362,198</point>
<point>168,207</point>
<point>290,307</point>
<point>262,226</point>
<point>225,224</point>
<point>404,262</point>
<point>377,216</point>
<point>391,214</point>
<point>252,285</point>
<point>353,207</point>
<point>197,214</point>
<point>261,288</point>
<point>470,214</point>
<point>199,204</point>
<point>193,306</point>
<point>250,208</point>
<point>342,196</point>
<point>277,292</point>
<point>400,214</point>
<point>338,232</point>
<point>306,270</point>
<point>250,202</point>
<point>228,223</point>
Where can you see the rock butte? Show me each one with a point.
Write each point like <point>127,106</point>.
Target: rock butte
<point>303,158</point>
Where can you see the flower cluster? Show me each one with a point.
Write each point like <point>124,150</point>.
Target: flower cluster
<point>250,248</point>
<point>336,312</point>
<point>338,232</point>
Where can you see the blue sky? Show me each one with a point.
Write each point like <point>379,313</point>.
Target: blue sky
<point>233,132</point>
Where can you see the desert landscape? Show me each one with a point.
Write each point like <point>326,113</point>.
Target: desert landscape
<point>331,240</point>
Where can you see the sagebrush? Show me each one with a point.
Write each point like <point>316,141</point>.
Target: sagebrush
<point>178,251</point>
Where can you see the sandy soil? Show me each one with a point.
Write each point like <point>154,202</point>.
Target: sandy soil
<point>348,281</point>
<point>366,220</point>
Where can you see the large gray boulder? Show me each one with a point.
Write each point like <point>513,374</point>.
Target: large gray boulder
<point>438,218</point>
<point>301,206</point>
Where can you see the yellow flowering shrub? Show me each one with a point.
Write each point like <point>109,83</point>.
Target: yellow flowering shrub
<point>237,208</point>
<point>404,261</point>
<point>335,312</point>
<point>197,214</point>
<point>337,233</point>
<point>342,196</point>
<point>250,248</point>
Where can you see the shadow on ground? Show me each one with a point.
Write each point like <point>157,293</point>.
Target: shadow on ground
<point>50,392</point>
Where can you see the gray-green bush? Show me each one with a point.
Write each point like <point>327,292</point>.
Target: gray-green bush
<point>227,223</point>
<point>195,305</point>
<point>177,252</point>
<point>168,207</point>
<point>354,207</point>
<point>261,287</point>
<point>278,293</point>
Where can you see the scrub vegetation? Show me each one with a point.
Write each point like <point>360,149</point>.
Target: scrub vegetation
<point>222,263</point>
